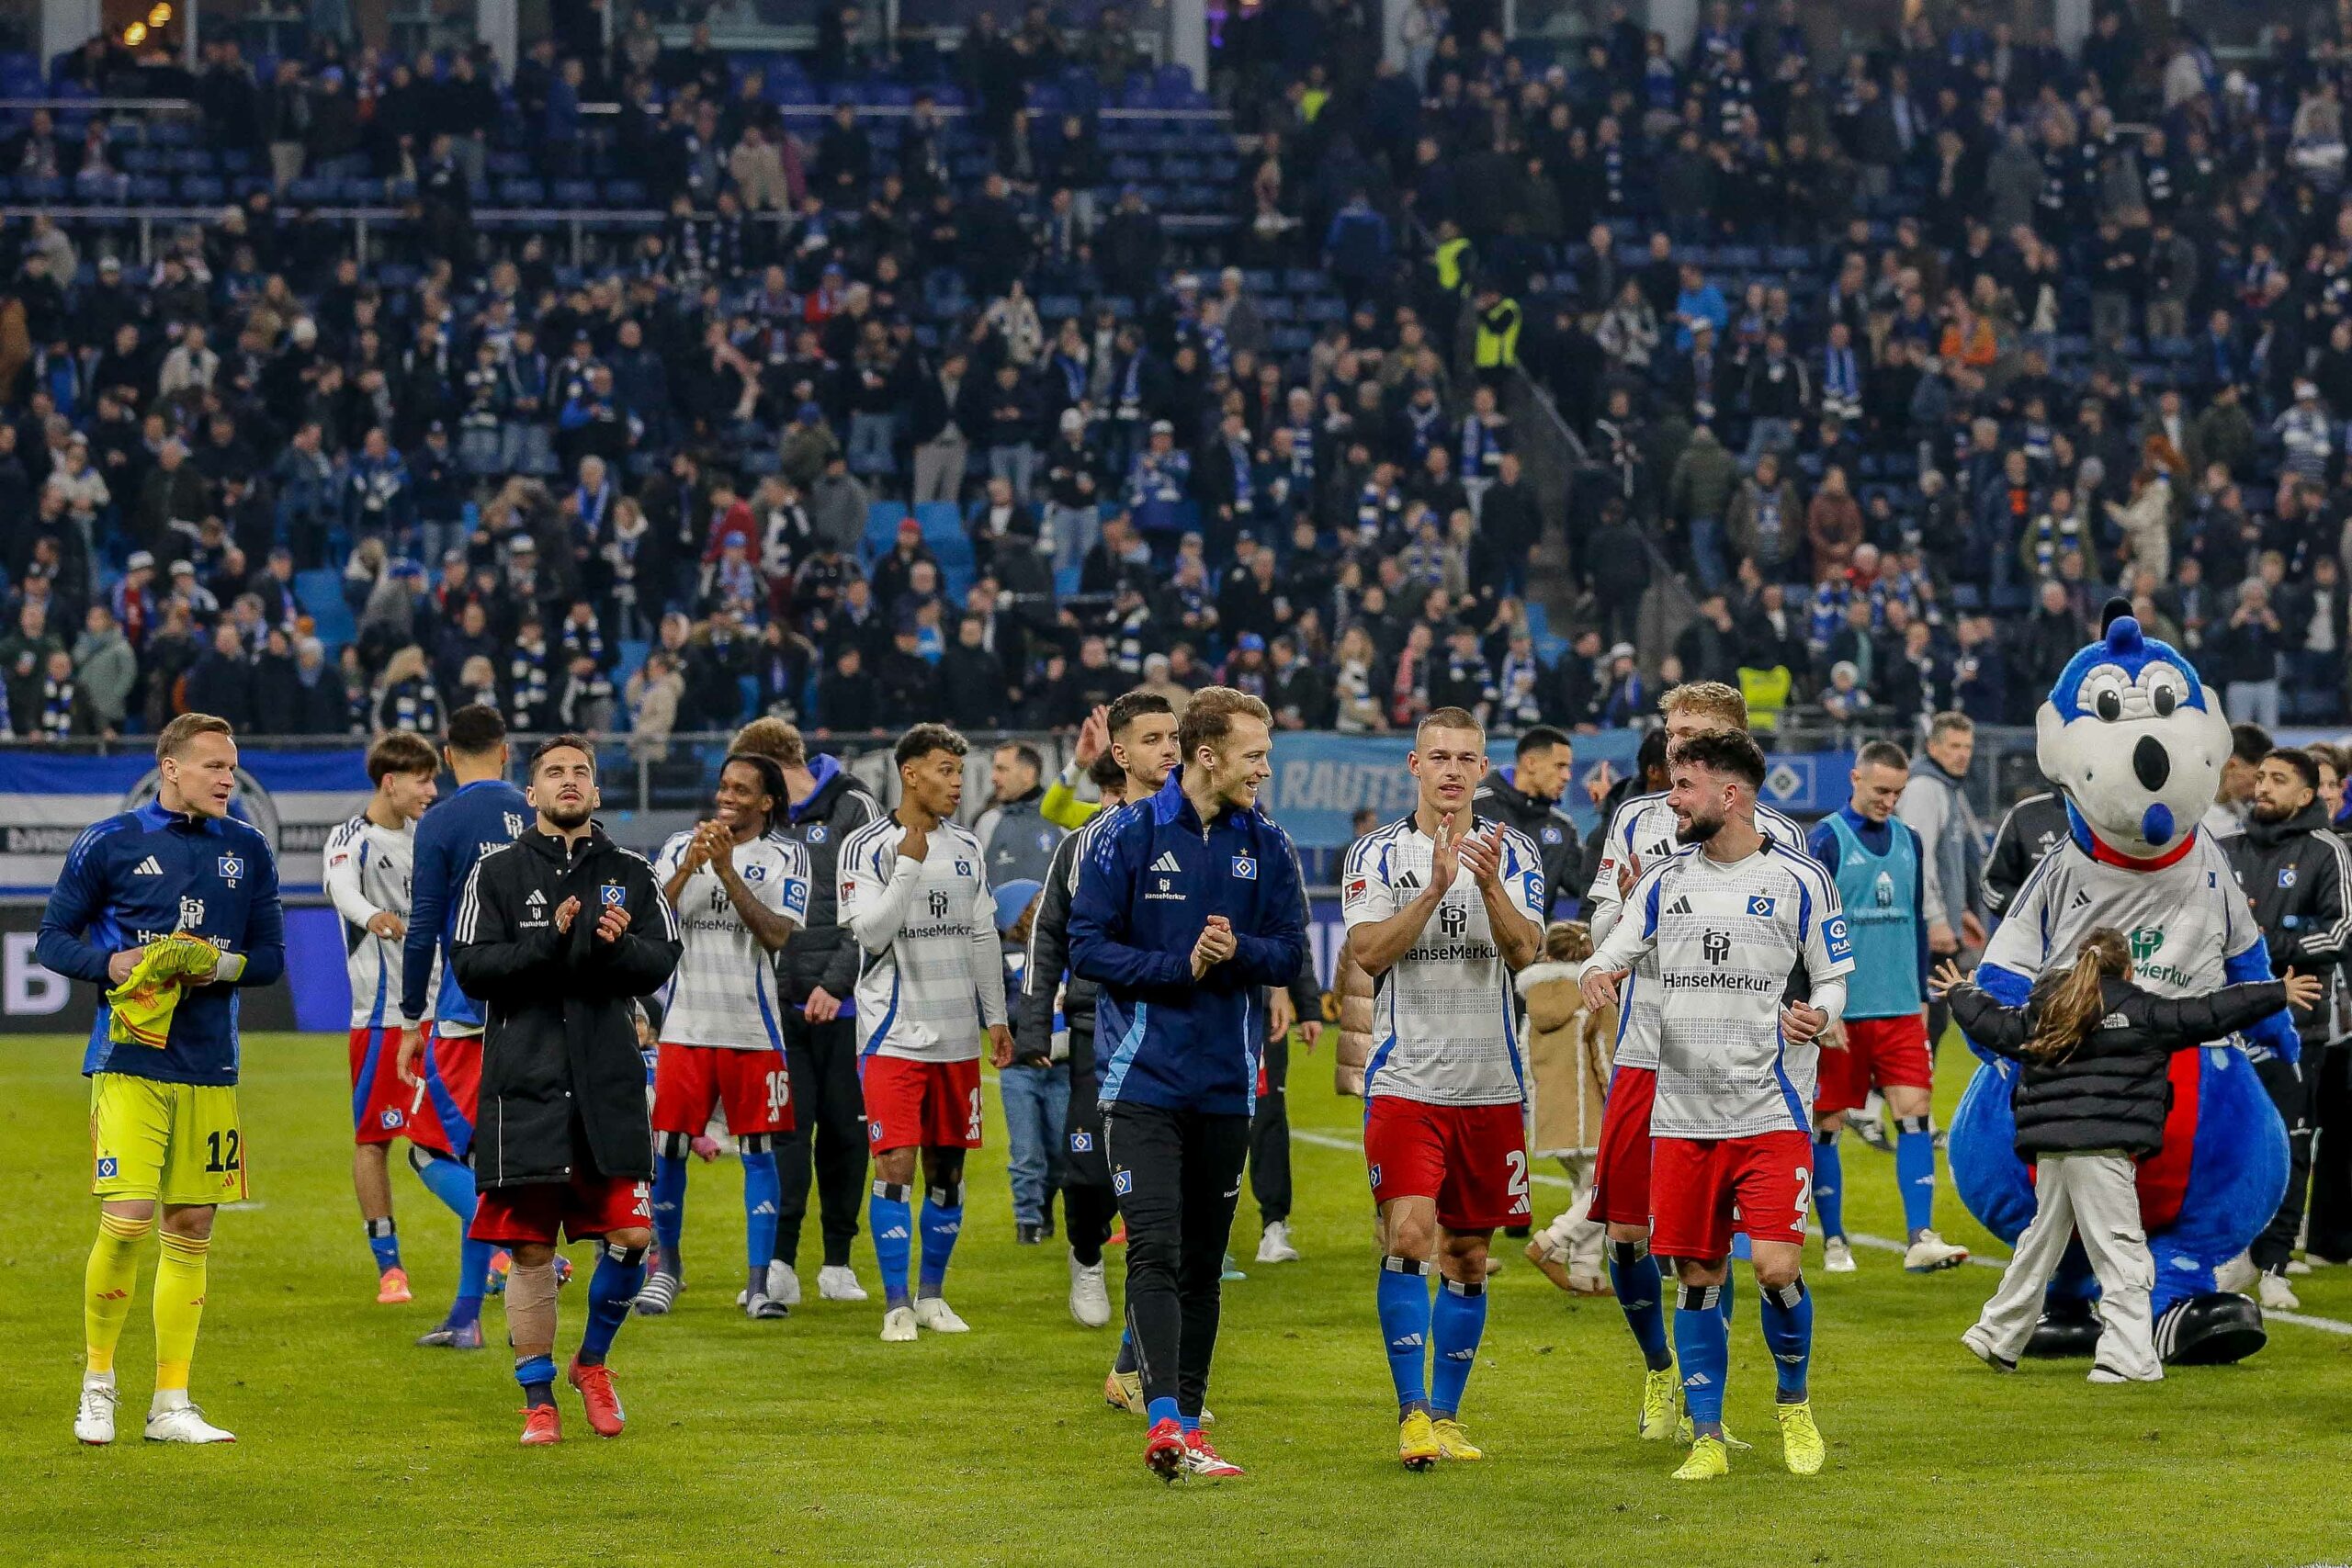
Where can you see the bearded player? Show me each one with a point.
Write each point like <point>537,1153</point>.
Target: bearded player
<point>739,894</point>
<point>1643,832</point>
<point>1735,924</point>
<point>1445,1093</point>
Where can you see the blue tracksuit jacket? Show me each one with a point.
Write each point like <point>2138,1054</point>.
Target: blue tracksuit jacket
<point>1154,876</point>
<point>485,815</point>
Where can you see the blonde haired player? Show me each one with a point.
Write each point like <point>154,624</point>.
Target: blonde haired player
<point>163,1124</point>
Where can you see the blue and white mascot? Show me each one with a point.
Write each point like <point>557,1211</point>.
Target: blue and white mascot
<point>2136,743</point>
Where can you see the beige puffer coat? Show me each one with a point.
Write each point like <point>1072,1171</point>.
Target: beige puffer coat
<point>1353,987</point>
<point>1567,1057</point>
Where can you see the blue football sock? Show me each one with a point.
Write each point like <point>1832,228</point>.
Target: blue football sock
<point>450,1181</point>
<point>385,1243</point>
<point>1828,1185</point>
<point>620,1274</point>
<point>670,1210</point>
<point>1723,1292</point>
<point>891,1222</point>
<point>1126,1358</point>
<point>1704,1347</point>
<point>1159,1410</point>
<point>1456,1324</point>
<point>1914,1171</point>
<point>1191,1423</point>
<point>1404,1302</point>
<point>943,1220</point>
<point>1633,1273</point>
<point>1787,1315</point>
<point>762,1197</point>
<point>536,1374</point>
<point>474,1279</point>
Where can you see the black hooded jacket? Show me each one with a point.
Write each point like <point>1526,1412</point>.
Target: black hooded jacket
<point>2297,876</point>
<point>560,1067</point>
<point>1546,822</point>
<point>2111,1091</point>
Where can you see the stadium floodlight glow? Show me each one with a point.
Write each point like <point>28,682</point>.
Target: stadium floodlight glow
<point>135,34</point>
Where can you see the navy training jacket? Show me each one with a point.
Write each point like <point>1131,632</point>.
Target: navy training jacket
<point>1153,877</point>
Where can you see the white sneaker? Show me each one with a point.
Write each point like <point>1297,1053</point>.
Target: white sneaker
<point>2297,1265</point>
<point>1931,1254</point>
<point>837,1282</point>
<point>2276,1294</point>
<point>93,1418</point>
<point>2237,1275</point>
<point>763,1306</point>
<point>1837,1257</point>
<point>184,1422</point>
<point>1089,1299</point>
<point>1274,1245</point>
<point>933,1313</point>
<point>783,1285</point>
<point>898,1325</point>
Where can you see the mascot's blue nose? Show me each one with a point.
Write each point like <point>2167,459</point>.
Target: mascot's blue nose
<point>2156,824</point>
<point>2151,763</point>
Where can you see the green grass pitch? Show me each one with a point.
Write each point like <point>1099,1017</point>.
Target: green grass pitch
<point>810,1441</point>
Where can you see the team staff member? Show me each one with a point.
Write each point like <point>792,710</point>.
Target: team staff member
<point>558,934</point>
<point>2029,830</point>
<point>164,1117</point>
<point>2297,876</point>
<point>441,1060</point>
<point>1532,800</point>
<point>1186,906</point>
<point>826,1147</point>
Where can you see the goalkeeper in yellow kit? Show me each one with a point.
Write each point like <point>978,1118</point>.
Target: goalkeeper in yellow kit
<point>170,909</point>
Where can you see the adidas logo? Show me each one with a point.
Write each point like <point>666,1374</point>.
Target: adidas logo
<point>765,1209</point>
<point>1166,861</point>
<point>1409,882</point>
<point>2082,899</point>
<point>1698,1379</point>
<point>1460,1355</point>
<point>151,866</point>
<point>1405,1342</point>
<point>538,900</point>
<point>1790,1359</point>
<point>1679,907</point>
<point>896,1233</point>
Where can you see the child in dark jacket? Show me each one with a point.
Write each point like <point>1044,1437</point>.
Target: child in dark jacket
<point>2090,1097</point>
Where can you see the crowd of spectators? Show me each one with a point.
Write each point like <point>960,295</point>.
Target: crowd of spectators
<point>1902,362</point>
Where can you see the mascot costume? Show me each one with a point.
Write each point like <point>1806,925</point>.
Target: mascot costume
<point>2136,743</point>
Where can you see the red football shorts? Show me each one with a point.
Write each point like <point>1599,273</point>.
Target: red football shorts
<point>589,1205</point>
<point>1882,1052</point>
<point>441,1109</point>
<point>1471,1158</point>
<point>689,1079</point>
<point>1704,1189</point>
<point>928,1105</point>
<point>380,1102</point>
<point>1621,1172</point>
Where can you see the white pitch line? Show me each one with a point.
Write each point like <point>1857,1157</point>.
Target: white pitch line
<point>1883,1244</point>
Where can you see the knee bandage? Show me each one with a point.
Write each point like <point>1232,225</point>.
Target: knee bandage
<point>531,1305</point>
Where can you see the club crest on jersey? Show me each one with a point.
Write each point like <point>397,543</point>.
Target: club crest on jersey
<point>2286,876</point>
<point>389,1118</point>
<point>1080,1143</point>
<point>613,894</point>
<point>817,834</point>
<point>231,868</point>
<point>963,868</point>
<point>1552,836</point>
<point>1245,868</point>
<point>106,1167</point>
<point>1122,1182</point>
<point>1760,904</point>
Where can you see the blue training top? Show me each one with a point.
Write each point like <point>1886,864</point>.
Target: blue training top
<point>485,815</point>
<point>1879,882</point>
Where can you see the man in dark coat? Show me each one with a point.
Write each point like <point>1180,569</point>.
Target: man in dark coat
<point>558,934</point>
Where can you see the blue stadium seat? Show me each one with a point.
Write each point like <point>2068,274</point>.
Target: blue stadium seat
<point>881,530</point>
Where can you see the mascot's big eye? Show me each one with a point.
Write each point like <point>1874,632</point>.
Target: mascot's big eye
<point>2166,686</point>
<point>2101,692</point>
<point>2110,705</point>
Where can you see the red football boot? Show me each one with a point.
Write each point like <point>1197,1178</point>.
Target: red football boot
<point>541,1426</point>
<point>595,1386</point>
<point>1163,1451</point>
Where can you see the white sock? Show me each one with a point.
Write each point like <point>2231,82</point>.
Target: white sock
<point>99,1380</point>
<point>166,1399</point>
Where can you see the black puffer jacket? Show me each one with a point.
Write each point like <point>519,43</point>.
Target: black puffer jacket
<point>821,953</point>
<point>559,1043</point>
<point>2111,1091</point>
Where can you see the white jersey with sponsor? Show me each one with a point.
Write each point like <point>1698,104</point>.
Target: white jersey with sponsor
<point>367,871</point>
<point>934,971</point>
<point>2184,921</point>
<point>1641,834</point>
<point>1724,940</point>
<point>724,993</point>
<point>1443,1026</point>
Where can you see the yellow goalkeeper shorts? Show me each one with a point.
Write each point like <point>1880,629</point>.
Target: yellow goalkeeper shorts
<point>174,1142</point>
